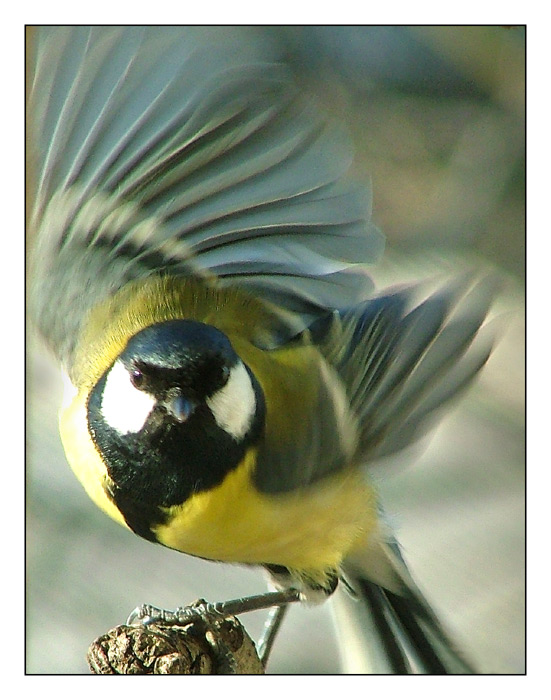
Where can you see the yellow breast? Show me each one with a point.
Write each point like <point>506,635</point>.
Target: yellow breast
<point>308,530</point>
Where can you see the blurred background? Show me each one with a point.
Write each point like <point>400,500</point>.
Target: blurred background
<point>438,118</point>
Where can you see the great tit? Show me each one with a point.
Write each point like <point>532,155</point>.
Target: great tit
<point>198,265</point>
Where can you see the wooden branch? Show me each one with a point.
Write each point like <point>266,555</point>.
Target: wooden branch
<point>217,646</point>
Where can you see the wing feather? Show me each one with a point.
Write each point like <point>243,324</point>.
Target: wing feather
<point>186,151</point>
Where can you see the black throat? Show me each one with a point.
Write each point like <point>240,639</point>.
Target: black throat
<point>166,462</point>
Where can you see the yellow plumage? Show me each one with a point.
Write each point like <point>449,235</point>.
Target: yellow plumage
<point>310,529</point>
<point>180,176</point>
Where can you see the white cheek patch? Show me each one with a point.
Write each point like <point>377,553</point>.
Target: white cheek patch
<point>124,407</point>
<point>234,406</point>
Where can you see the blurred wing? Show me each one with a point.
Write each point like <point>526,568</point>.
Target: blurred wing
<point>188,151</point>
<point>390,365</point>
<point>400,365</point>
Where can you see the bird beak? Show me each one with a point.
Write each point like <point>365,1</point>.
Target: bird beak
<point>180,408</point>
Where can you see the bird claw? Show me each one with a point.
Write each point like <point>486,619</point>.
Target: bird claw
<point>207,614</point>
<point>149,614</point>
<point>199,612</point>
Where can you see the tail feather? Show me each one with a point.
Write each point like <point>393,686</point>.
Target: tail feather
<point>387,633</point>
<point>384,623</point>
<point>366,636</point>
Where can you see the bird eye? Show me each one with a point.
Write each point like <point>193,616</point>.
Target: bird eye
<point>137,378</point>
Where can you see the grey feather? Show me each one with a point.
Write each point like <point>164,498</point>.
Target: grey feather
<point>396,633</point>
<point>389,626</point>
<point>398,366</point>
<point>189,151</point>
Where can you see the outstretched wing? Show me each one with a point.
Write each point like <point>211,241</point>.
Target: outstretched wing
<point>390,365</point>
<point>400,363</point>
<point>188,151</point>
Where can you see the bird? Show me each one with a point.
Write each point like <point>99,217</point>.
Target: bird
<point>199,265</point>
